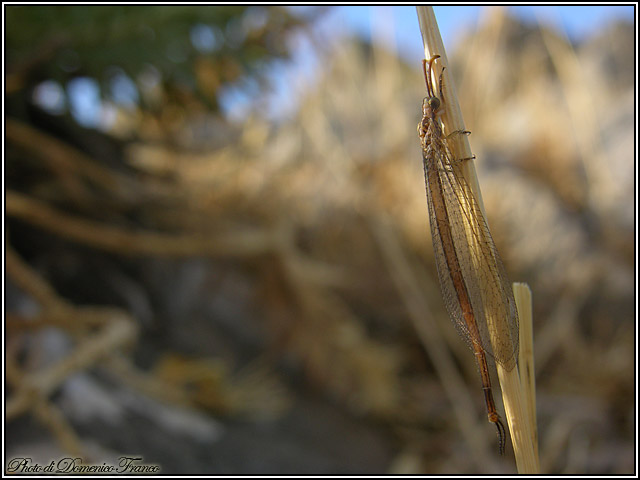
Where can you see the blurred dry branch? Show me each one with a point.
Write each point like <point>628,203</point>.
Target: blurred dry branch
<point>32,389</point>
<point>68,164</point>
<point>135,243</point>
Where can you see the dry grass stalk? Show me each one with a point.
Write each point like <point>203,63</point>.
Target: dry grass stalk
<point>518,421</point>
<point>452,116</point>
<point>522,294</point>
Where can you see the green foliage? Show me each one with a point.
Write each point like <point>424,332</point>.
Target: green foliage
<point>62,41</point>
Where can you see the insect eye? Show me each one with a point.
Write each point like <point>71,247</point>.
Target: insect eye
<point>434,103</point>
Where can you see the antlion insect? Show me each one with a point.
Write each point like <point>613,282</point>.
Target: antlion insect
<point>474,283</point>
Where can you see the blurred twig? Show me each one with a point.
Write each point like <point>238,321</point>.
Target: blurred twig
<point>69,164</point>
<point>235,244</point>
<point>118,330</point>
<point>31,390</point>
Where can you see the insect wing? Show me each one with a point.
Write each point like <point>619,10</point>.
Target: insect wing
<point>485,278</point>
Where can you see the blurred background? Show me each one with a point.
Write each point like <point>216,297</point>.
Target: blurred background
<point>218,253</point>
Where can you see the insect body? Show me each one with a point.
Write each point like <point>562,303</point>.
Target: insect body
<point>474,283</point>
